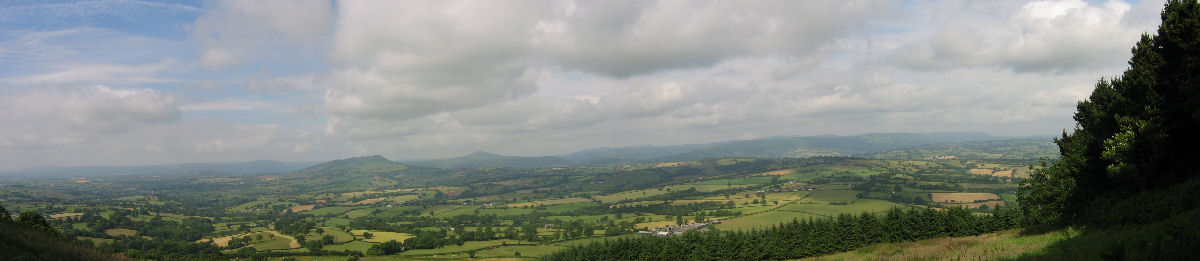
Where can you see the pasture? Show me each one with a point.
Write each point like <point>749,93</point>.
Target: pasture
<point>352,245</point>
<point>339,236</point>
<point>329,211</point>
<point>549,202</point>
<point>380,236</point>
<point>525,251</point>
<point>827,210</point>
<point>831,196</point>
<point>762,220</point>
<point>301,208</point>
<point>962,197</point>
<point>116,232</point>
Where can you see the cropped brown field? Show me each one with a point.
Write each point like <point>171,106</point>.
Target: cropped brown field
<point>962,197</point>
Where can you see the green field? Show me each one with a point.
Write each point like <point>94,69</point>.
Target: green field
<point>762,220</point>
<point>469,245</point>
<point>831,196</point>
<point>334,222</point>
<point>570,207</point>
<point>464,210</point>
<point>357,213</point>
<point>352,245</point>
<point>439,209</point>
<point>328,211</point>
<point>634,194</point>
<point>396,210</point>
<point>339,236</point>
<point>735,181</point>
<point>505,211</point>
<point>827,210</point>
<point>273,244</point>
<point>550,202</point>
<point>525,251</point>
<point>381,236</point>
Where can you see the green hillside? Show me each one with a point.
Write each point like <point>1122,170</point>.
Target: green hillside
<point>358,165</point>
<point>1174,237</point>
<point>1016,149</point>
<point>792,147</point>
<point>22,242</point>
<point>491,160</point>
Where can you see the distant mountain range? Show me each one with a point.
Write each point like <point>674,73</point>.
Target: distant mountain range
<point>772,147</point>
<point>251,167</point>
<point>482,159</point>
<point>876,145</point>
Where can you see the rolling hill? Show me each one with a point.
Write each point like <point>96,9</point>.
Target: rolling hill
<point>482,159</point>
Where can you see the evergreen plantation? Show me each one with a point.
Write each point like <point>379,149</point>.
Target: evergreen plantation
<point>798,238</point>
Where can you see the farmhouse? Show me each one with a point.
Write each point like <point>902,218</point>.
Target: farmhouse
<point>678,230</point>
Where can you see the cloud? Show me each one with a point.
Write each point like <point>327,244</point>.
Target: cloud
<point>97,73</point>
<point>232,104</point>
<point>623,39</point>
<point>1039,36</point>
<point>235,31</point>
<point>406,60</point>
<point>66,115</point>
<point>420,79</point>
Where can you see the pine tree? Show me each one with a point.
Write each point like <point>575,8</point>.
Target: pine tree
<point>1134,133</point>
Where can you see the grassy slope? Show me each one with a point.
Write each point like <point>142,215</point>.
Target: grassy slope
<point>1001,245</point>
<point>1176,237</point>
<point>21,243</point>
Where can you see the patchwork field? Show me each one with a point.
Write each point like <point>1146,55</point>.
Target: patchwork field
<point>776,173</point>
<point>550,202</point>
<point>826,210</point>
<point>352,245</point>
<point>984,172</point>
<point>328,211</point>
<point>762,220</point>
<point>65,215</point>
<point>116,232</point>
<point>962,197</point>
<point>339,236</point>
<point>524,251</point>
<point>301,208</point>
<point>380,236</point>
<point>831,196</point>
<point>560,202</point>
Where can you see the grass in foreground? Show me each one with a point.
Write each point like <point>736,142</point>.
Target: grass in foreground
<point>1176,238</point>
<point>1007,244</point>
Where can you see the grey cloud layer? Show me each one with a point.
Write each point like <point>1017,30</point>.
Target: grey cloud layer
<point>423,79</point>
<point>443,76</point>
<point>404,60</point>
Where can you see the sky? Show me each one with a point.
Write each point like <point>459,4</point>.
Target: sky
<point>134,82</point>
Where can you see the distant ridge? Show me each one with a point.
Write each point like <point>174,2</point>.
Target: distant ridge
<point>904,145</point>
<point>770,147</point>
<point>365,164</point>
<point>249,167</point>
<point>482,159</point>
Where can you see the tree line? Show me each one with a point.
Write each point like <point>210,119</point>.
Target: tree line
<point>799,238</point>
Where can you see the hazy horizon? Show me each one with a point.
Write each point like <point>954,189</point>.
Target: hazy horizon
<point>116,83</point>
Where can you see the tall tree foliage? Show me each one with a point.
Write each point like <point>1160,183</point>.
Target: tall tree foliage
<point>797,238</point>
<point>1135,133</point>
